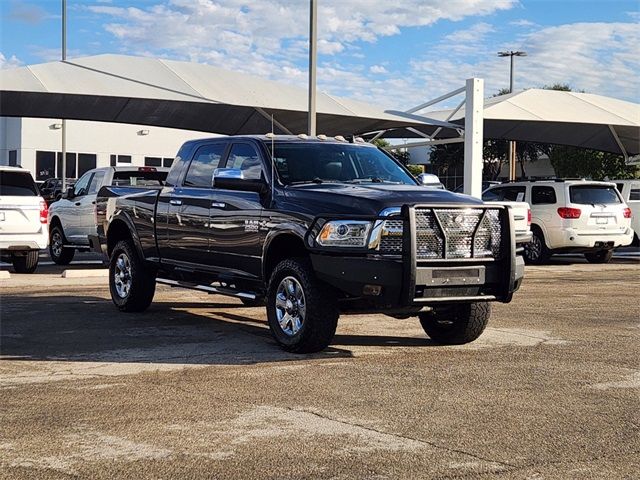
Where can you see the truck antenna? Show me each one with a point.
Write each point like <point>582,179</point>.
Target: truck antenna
<point>273,164</point>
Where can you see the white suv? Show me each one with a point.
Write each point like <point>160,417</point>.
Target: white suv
<point>630,191</point>
<point>23,219</point>
<point>570,216</point>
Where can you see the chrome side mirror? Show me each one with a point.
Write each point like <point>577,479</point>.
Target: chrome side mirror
<point>235,179</point>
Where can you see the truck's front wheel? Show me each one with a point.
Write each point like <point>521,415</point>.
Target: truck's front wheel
<point>302,311</point>
<point>132,285</point>
<point>456,324</point>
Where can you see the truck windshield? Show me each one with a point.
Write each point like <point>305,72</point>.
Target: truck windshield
<point>594,194</point>
<point>330,162</point>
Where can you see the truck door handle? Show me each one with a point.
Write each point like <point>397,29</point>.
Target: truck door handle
<point>175,202</point>
<point>218,204</point>
<point>77,204</point>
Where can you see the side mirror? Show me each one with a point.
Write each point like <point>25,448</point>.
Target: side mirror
<point>234,179</point>
<point>69,194</point>
<point>429,180</point>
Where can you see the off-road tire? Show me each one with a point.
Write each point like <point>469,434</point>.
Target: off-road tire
<point>321,312</point>
<point>536,251</point>
<point>602,256</point>
<point>26,263</point>
<point>66,254</point>
<point>456,324</point>
<point>143,280</point>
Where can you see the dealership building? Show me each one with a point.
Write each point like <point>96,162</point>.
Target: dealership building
<point>36,144</point>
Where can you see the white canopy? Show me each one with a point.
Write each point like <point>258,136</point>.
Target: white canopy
<point>551,116</point>
<point>151,91</point>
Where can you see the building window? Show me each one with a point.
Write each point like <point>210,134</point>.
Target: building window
<point>13,158</point>
<point>152,162</point>
<point>118,159</point>
<point>167,162</point>
<point>86,162</point>
<point>45,165</point>
<point>71,165</point>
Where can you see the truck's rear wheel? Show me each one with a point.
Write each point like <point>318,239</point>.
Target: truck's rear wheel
<point>302,311</point>
<point>602,256</point>
<point>456,324</point>
<point>132,285</point>
<point>59,254</point>
<point>26,263</point>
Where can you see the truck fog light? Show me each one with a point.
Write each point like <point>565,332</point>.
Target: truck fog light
<point>371,290</point>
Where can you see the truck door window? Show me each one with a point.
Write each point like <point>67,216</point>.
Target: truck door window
<point>205,161</point>
<point>244,157</point>
<point>96,181</point>
<point>82,186</point>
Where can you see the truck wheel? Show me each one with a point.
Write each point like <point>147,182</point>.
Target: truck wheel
<point>132,285</point>
<point>536,251</point>
<point>302,311</point>
<point>456,324</point>
<point>59,254</point>
<point>602,256</point>
<point>26,263</point>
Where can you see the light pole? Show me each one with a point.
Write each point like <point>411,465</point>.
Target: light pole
<point>64,122</point>
<point>313,53</point>
<point>512,144</point>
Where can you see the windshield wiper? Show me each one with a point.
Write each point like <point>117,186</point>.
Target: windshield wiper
<point>370,180</point>
<point>314,180</point>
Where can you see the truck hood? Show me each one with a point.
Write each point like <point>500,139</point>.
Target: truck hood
<point>367,199</point>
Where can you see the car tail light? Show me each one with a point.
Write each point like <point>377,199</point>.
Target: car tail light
<point>44,212</point>
<point>529,217</point>
<point>627,212</point>
<point>566,212</point>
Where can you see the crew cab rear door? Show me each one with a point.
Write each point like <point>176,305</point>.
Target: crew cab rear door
<point>236,231</point>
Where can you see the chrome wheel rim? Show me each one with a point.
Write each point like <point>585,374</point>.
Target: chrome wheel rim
<point>56,244</point>
<point>122,275</point>
<point>534,248</point>
<point>291,306</point>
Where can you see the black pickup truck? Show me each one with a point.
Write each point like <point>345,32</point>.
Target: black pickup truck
<point>311,227</point>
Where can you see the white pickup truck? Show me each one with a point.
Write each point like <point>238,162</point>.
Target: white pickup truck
<point>72,219</point>
<point>23,219</point>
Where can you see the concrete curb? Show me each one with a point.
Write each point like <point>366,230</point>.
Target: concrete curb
<point>99,273</point>
<point>4,275</point>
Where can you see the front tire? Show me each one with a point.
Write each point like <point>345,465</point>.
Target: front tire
<point>536,251</point>
<point>59,254</point>
<point>132,285</point>
<point>456,324</point>
<point>26,263</point>
<point>301,310</point>
<point>602,256</point>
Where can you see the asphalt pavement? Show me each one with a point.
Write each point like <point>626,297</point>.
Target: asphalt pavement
<point>196,388</point>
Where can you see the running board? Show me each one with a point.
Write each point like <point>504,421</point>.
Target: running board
<point>207,288</point>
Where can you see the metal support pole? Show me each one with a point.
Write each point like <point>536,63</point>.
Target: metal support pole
<point>64,121</point>
<point>473,137</point>
<point>313,54</point>
<point>511,76</point>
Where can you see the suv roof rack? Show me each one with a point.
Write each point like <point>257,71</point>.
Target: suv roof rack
<point>546,179</point>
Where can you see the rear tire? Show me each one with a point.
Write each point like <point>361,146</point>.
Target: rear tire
<point>301,310</point>
<point>26,263</point>
<point>602,256</point>
<point>456,324</point>
<point>536,251</point>
<point>59,254</point>
<point>131,284</point>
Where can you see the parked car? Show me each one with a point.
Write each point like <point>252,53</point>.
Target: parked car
<point>72,219</point>
<point>571,216</point>
<point>23,219</point>
<point>315,228</point>
<point>630,191</point>
<point>485,184</point>
<point>51,189</point>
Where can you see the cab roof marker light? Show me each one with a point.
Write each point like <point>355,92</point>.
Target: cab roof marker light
<point>270,135</point>
<point>340,138</point>
<point>359,140</point>
<point>303,136</point>
<point>322,137</point>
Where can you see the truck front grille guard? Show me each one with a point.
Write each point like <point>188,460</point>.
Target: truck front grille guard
<point>457,234</point>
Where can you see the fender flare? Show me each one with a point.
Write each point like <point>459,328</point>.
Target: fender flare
<point>126,219</point>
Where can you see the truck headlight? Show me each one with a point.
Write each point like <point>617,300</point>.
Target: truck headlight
<point>344,233</point>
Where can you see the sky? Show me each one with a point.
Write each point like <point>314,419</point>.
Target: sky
<point>396,53</point>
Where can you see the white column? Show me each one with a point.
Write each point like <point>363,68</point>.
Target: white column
<point>473,137</point>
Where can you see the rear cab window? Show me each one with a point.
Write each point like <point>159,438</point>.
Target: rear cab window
<point>139,178</point>
<point>17,184</point>
<point>594,195</point>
